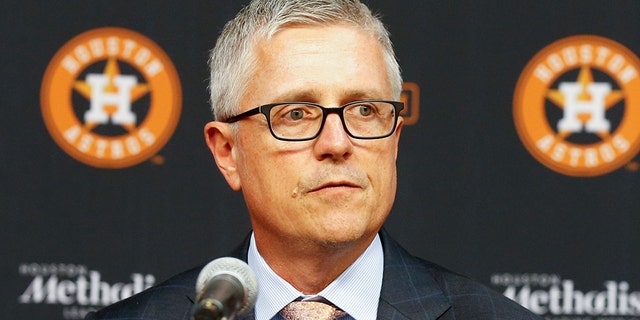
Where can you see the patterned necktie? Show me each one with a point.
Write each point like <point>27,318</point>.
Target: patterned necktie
<point>308,310</point>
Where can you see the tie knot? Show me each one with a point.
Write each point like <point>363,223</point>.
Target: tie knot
<point>299,310</point>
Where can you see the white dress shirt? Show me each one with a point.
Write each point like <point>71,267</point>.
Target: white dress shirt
<point>356,291</point>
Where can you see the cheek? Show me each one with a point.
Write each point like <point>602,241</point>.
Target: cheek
<point>386,181</point>
<point>266,174</point>
<point>384,176</point>
<point>382,162</point>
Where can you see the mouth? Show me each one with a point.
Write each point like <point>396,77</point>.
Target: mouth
<point>333,181</point>
<point>332,185</point>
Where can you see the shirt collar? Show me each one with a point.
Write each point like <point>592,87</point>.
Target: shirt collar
<point>356,291</point>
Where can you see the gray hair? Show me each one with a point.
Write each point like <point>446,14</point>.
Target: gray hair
<point>233,58</point>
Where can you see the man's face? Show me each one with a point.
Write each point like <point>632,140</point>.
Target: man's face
<point>332,190</point>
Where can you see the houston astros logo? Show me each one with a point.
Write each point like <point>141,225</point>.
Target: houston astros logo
<point>577,106</point>
<point>111,98</point>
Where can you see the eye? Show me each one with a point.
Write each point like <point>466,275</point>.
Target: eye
<point>296,114</point>
<point>365,110</point>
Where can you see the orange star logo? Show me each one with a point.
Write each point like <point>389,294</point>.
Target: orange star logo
<point>585,78</point>
<point>111,95</point>
<point>585,111</point>
<point>111,70</point>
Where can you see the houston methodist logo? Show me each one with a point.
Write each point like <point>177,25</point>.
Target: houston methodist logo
<point>577,106</point>
<point>111,98</point>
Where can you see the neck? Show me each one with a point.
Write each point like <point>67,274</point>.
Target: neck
<point>310,267</point>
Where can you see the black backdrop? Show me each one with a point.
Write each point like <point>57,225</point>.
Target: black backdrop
<point>470,196</point>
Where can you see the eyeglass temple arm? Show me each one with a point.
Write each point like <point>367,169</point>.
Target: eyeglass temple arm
<point>243,115</point>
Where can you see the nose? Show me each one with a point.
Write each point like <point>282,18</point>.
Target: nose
<point>333,142</point>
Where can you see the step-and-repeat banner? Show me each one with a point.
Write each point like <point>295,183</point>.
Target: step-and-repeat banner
<point>519,165</point>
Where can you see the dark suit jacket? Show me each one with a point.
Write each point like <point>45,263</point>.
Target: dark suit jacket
<point>411,289</point>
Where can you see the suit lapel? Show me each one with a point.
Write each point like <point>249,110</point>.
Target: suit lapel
<point>409,290</point>
<point>241,253</point>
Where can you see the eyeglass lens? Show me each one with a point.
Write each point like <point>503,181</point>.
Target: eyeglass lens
<point>303,121</point>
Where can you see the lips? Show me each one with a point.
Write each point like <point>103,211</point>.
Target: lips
<point>328,178</point>
<point>335,185</point>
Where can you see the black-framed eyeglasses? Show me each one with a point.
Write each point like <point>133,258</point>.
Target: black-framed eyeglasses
<point>301,121</point>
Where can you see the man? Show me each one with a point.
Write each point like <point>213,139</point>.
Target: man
<point>304,93</point>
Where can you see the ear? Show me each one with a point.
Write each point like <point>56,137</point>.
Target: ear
<point>396,134</point>
<point>221,141</point>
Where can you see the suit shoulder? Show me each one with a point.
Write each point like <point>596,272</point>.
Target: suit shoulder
<point>171,299</point>
<point>471,298</point>
<point>416,284</point>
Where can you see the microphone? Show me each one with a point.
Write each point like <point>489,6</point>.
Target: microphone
<point>225,288</point>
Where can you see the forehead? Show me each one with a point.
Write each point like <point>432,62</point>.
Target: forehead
<point>318,62</point>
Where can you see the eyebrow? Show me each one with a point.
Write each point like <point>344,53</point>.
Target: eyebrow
<point>313,95</point>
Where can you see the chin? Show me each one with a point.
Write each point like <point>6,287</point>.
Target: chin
<point>344,235</point>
